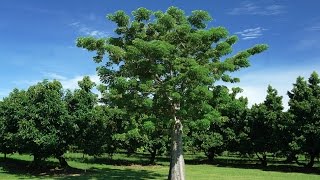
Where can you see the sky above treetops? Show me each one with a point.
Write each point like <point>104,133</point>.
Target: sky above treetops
<point>37,39</point>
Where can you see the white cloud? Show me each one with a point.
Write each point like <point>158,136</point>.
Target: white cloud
<point>72,83</point>
<point>67,83</point>
<point>255,83</point>
<point>83,29</point>
<point>251,8</point>
<point>251,33</point>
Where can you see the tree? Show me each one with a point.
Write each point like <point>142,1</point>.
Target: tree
<point>305,107</point>
<point>174,59</point>
<point>127,112</point>
<point>81,106</point>
<point>223,131</point>
<point>263,121</point>
<point>235,128</point>
<point>155,134</point>
<point>12,108</point>
<point>46,128</point>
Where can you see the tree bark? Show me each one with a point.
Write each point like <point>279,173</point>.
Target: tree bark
<point>5,156</point>
<point>210,156</point>
<point>62,161</point>
<point>291,157</point>
<point>153,154</point>
<point>176,162</point>
<point>263,160</point>
<point>311,162</point>
<point>36,160</point>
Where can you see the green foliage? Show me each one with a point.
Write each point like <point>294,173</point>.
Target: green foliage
<point>304,106</point>
<point>12,109</point>
<point>263,121</point>
<point>220,129</point>
<point>45,129</point>
<point>165,67</point>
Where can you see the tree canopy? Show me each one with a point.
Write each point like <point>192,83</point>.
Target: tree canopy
<point>172,57</point>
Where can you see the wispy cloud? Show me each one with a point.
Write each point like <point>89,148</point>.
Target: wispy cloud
<point>84,29</point>
<point>25,82</point>
<point>313,27</point>
<point>67,83</point>
<point>251,8</point>
<point>51,75</point>
<point>251,33</point>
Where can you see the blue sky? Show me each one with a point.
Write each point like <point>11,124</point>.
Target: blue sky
<point>37,38</point>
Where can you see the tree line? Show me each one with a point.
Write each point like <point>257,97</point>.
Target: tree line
<point>45,121</point>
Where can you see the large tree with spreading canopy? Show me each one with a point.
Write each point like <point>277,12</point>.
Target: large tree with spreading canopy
<point>167,62</point>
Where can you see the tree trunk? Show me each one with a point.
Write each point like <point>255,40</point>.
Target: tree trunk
<point>210,156</point>
<point>311,162</point>
<point>153,154</point>
<point>5,156</point>
<point>36,160</point>
<point>62,161</point>
<point>263,160</point>
<point>290,158</point>
<point>177,162</point>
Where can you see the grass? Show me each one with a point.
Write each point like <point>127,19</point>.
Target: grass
<point>135,167</point>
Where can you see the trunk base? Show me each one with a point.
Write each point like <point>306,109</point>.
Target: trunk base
<point>63,162</point>
<point>177,162</point>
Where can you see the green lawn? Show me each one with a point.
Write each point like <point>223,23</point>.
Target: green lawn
<point>118,168</point>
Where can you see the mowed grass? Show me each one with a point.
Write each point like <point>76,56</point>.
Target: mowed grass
<point>135,167</point>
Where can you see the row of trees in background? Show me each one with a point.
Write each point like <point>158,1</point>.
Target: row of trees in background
<point>46,121</point>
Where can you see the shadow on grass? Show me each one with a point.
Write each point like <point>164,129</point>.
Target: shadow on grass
<point>108,161</point>
<point>107,173</point>
<point>136,159</point>
<point>22,170</point>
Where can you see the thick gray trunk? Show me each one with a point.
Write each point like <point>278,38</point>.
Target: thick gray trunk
<point>177,162</point>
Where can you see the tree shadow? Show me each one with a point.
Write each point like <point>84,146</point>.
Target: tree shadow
<point>109,161</point>
<point>22,169</point>
<point>136,159</point>
<point>107,173</point>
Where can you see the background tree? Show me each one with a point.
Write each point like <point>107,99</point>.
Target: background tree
<point>12,109</point>
<point>177,57</point>
<point>223,131</point>
<point>81,106</point>
<point>155,134</point>
<point>305,107</point>
<point>235,128</point>
<point>263,121</point>
<point>127,110</point>
<point>46,129</point>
